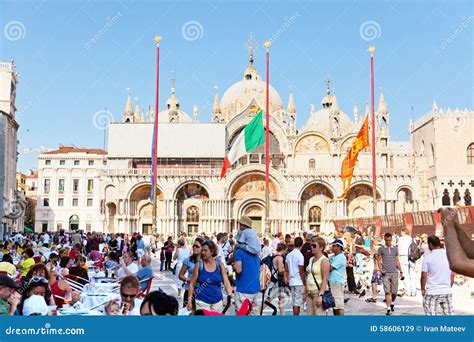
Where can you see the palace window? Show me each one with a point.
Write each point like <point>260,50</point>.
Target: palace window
<point>47,185</point>
<point>75,185</point>
<point>45,202</point>
<point>75,202</point>
<point>47,162</point>
<point>62,162</point>
<point>89,202</point>
<point>76,162</point>
<point>91,162</point>
<point>312,164</point>
<point>470,154</point>
<point>61,185</point>
<point>90,185</point>
<point>60,202</point>
<point>192,214</point>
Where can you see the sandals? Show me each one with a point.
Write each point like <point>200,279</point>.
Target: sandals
<point>371,300</point>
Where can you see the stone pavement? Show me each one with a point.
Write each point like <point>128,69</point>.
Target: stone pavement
<point>463,298</point>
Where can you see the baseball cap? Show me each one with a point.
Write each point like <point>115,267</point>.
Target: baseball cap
<point>7,281</point>
<point>35,305</point>
<point>338,242</point>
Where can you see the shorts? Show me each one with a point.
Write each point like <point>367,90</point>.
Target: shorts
<point>297,294</point>
<point>438,304</point>
<point>216,307</point>
<point>390,283</point>
<point>376,277</point>
<point>254,299</point>
<point>337,291</point>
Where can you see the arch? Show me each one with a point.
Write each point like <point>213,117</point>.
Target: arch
<point>406,192</point>
<point>191,189</point>
<point>252,185</point>
<point>329,193</point>
<point>360,200</point>
<point>255,209</point>
<point>74,222</point>
<point>140,184</point>
<point>311,142</point>
<point>110,191</point>
<point>470,153</point>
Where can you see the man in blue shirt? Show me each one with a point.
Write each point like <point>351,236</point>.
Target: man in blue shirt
<point>145,273</point>
<point>247,269</point>
<point>337,275</point>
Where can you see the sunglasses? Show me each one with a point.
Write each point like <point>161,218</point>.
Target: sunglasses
<point>313,245</point>
<point>38,280</point>
<point>128,295</point>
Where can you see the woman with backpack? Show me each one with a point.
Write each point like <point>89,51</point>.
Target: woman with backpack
<point>317,277</point>
<point>279,278</point>
<point>207,279</point>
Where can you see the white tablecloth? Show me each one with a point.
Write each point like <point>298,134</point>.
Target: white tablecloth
<point>99,288</point>
<point>90,301</point>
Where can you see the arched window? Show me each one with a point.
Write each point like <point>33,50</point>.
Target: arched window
<point>312,164</point>
<point>422,148</point>
<point>470,154</point>
<point>431,156</point>
<point>314,215</point>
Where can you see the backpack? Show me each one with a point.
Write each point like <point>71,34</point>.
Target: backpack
<point>268,261</point>
<point>265,277</point>
<point>414,251</point>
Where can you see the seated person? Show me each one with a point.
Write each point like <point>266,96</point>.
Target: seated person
<point>246,238</point>
<point>146,272</point>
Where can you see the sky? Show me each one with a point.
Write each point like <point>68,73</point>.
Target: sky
<point>75,58</point>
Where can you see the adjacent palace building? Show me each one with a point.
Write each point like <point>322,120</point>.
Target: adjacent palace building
<point>93,189</point>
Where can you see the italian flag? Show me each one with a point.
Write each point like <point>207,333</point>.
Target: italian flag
<point>249,139</point>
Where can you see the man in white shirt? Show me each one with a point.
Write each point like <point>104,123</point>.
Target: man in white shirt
<point>46,238</point>
<point>436,280</point>
<point>408,266</point>
<point>297,280</point>
<point>128,268</point>
<point>129,304</point>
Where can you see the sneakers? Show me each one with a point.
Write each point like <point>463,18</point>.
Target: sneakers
<point>362,294</point>
<point>392,307</point>
<point>388,313</point>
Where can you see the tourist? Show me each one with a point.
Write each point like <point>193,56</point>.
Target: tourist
<point>436,280</point>
<point>221,241</point>
<point>77,250</point>
<point>78,271</point>
<point>390,265</point>
<point>225,245</point>
<point>459,246</point>
<point>169,248</point>
<point>129,289</point>
<point>35,305</point>
<point>8,299</point>
<point>246,237</point>
<point>128,267</point>
<point>317,278</point>
<point>112,308</point>
<point>246,266</point>
<point>296,275</point>
<point>35,286</point>
<point>206,281</point>
<point>337,273</point>
<point>266,249</point>
<point>158,303</point>
<point>140,246</point>
<point>162,259</point>
<point>7,266</point>
<point>376,279</point>
<point>181,253</point>
<point>279,278</point>
<point>145,273</point>
<point>408,265</point>
<point>26,262</point>
<point>53,262</point>
<point>60,289</point>
<point>186,272</point>
<point>306,250</point>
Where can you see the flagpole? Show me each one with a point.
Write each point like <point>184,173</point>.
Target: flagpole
<point>267,140</point>
<point>372,99</point>
<point>155,133</point>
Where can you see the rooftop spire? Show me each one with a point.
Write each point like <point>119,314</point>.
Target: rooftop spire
<point>251,71</point>
<point>291,103</point>
<point>382,108</point>
<point>434,108</point>
<point>128,106</point>
<point>250,47</point>
<point>137,111</point>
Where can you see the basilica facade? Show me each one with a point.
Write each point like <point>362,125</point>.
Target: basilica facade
<point>305,165</point>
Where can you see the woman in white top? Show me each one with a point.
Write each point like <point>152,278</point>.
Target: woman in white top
<point>181,253</point>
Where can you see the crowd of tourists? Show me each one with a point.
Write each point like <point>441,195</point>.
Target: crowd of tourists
<point>57,273</point>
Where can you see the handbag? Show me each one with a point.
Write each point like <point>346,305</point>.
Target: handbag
<point>328,299</point>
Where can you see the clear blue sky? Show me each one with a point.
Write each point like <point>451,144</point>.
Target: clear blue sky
<point>424,52</point>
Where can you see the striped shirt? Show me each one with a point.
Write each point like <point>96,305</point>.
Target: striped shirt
<point>389,259</point>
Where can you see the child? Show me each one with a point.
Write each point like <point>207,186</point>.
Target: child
<point>112,308</point>
<point>162,258</point>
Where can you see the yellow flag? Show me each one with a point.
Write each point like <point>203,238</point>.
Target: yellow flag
<point>348,164</point>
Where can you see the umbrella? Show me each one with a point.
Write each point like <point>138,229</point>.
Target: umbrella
<point>28,230</point>
<point>349,229</point>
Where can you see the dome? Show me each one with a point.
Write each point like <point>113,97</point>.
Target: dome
<point>320,121</point>
<point>239,95</point>
<point>164,117</point>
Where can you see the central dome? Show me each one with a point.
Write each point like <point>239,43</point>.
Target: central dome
<point>239,95</point>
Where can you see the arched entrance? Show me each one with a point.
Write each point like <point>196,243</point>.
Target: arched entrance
<point>140,208</point>
<point>111,212</point>
<point>190,197</point>
<point>314,205</point>
<point>256,212</point>
<point>74,222</point>
<point>360,201</point>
